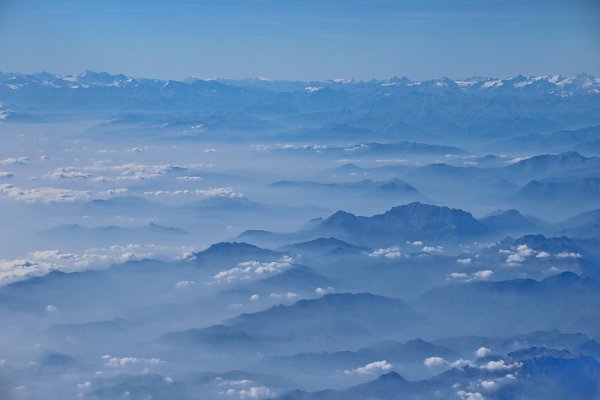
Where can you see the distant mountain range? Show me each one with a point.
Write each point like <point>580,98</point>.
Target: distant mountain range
<point>584,83</point>
<point>392,187</point>
<point>585,140</point>
<point>546,377</point>
<point>360,315</point>
<point>395,108</point>
<point>409,240</point>
<point>490,306</point>
<point>417,222</point>
<point>377,149</point>
<point>411,222</point>
<point>111,234</point>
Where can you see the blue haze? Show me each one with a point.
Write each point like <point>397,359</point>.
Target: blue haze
<point>302,39</point>
<point>249,200</point>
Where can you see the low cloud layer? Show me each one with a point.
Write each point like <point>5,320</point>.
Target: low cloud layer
<point>254,269</point>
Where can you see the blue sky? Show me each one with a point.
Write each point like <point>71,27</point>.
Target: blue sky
<point>301,39</point>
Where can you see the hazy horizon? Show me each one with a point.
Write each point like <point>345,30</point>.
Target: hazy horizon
<point>304,40</point>
<point>266,78</point>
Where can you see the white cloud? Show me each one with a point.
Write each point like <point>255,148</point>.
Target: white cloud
<point>254,392</point>
<point>51,308</point>
<point>288,295</point>
<point>254,269</point>
<point>259,147</point>
<point>103,171</point>
<point>113,192</point>
<point>470,395</point>
<point>212,192</point>
<point>244,389</point>
<point>462,363</point>
<point>565,254</point>
<point>489,385</point>
<point>322,291</point>
<point>486,274</point>
<point>458,275</point>
<point>524,250</point>
<point>53,255</point>
<point>371,368</point>
<point>218,192</point>
<point>515,258</point>
<point>125,172</point>
<point>233,382</point>
<point>14,161</point>
<point>43,194</point>
<point>389,252</point>
<point>127,256</point>
<point>255,297</point>
<point>434,361</point>
<point>87,385</point>
<point>4,174</point>
<point>14,270</point>
<point>516,160</point>
<point>500,365</point>
<point>69,173</point>
<point>41,262</point>
<point>392,160</point>
<point>120,362</point>
<point>464,261</point>
<point>482,351</point>
<point>520,254</point>
<point>184,284</point>
<point>433,249</point>
<point>475,276</point>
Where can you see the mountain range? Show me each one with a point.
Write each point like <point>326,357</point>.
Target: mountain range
<point>396,107</point>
